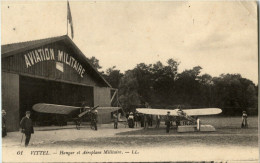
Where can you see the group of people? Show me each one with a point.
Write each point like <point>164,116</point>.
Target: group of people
<point>133,120</point>
<point>146,120</point>
<point>142,120</point>
<point>137,119</point>
<point>26,126</point>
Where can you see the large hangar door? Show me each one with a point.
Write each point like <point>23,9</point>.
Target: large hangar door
<point>33,91</point>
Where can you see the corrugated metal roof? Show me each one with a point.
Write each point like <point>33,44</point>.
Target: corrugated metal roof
<point>12,49</point>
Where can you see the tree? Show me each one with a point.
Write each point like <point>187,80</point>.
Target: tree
<point>234,94</point>
<point>155,82</point>
<point>113,76</point>
<point>206,90</point>
<point>251,97</point>
<point>95,62</point>
<point>188,87</point>
<point>163,82</point>
<point>143,76</point>
<point>128,95</point>
<point>162,86</point>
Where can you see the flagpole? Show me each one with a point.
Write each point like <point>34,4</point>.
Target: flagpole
<point>67,17</point>
<point>69,20</point>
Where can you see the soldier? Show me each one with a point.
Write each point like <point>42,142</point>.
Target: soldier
<point>91,115</point>
<point>115,120</point>
<point>146,121</point>
<point>178,121</point>
<point>78,122</point>
<point>141,119</point>
<point>244,120</point>
<point>131,120</point>
<point>167,122</point>
<point>158,121</point>
<point>4,131</point>
<point>151,120</point>
<point>94,118</point>
<point>198,123</point>
<point>136,119</point>
<point>27,127</point>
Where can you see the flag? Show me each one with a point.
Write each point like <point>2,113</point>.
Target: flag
<point>69,18</point>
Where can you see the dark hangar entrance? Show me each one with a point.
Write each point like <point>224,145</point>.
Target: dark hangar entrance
<point>35,90</point>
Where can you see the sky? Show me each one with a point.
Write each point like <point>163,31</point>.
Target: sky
<point>219,36</point>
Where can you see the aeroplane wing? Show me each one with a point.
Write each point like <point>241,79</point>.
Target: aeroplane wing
<point>156,111</point>
<point>206,111</point>
<point>54,109</point>
<point>189,112</point>
<point>64,109</point>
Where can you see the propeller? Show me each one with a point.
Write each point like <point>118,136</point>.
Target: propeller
<point>87,111</point>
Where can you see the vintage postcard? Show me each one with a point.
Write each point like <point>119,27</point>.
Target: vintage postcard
<point>129,81</point>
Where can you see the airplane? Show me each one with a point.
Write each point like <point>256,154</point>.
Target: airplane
<point>71,110</point>
<point>186,116</point>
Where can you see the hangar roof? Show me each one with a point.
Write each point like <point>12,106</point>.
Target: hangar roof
<point>14,48</point>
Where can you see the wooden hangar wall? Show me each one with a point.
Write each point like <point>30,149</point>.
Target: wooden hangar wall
<point>52,73</point>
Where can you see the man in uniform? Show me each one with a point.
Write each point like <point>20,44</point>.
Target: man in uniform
<point>198,123</point>
<point>244,120</point>
<point>131,120</point>
<point>141,119</point>
<point>115,120</point>
<point>158,121</point>
<point>167,122</point>
<point>27,127</point>
<point>151,120</point>
<point>94,118</point>
<point>4,131</point>
<point>145,121</point>
<point>136,119</point>
<point>78,122</point>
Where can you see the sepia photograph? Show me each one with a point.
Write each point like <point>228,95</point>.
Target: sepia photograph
<point>129,81</point>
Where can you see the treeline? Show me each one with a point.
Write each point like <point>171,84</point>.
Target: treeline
<point>163,87</point>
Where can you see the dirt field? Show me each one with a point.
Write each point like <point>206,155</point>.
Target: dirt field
<point>229,142</point>
<point>228,132</point>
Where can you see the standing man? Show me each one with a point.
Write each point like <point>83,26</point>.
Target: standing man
<point>151,120</point>
<point>141,119</point>
<point>4,131</point>
<point>115,120</point>
<point>91,114</point>
<point>78,122</point>
<point>131,120</point>
<point>95,117</point>
<point>158,121</point>
<point>136,119</point>
<point>244,120</point>
<point>198,124</point>
<point>145,121</point>
<point>27,127</point>
<point>167,122</point>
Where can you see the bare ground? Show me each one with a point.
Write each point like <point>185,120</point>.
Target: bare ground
<point>228,138</point>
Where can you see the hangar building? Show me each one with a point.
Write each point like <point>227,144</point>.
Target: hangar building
<point>51,70</point>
